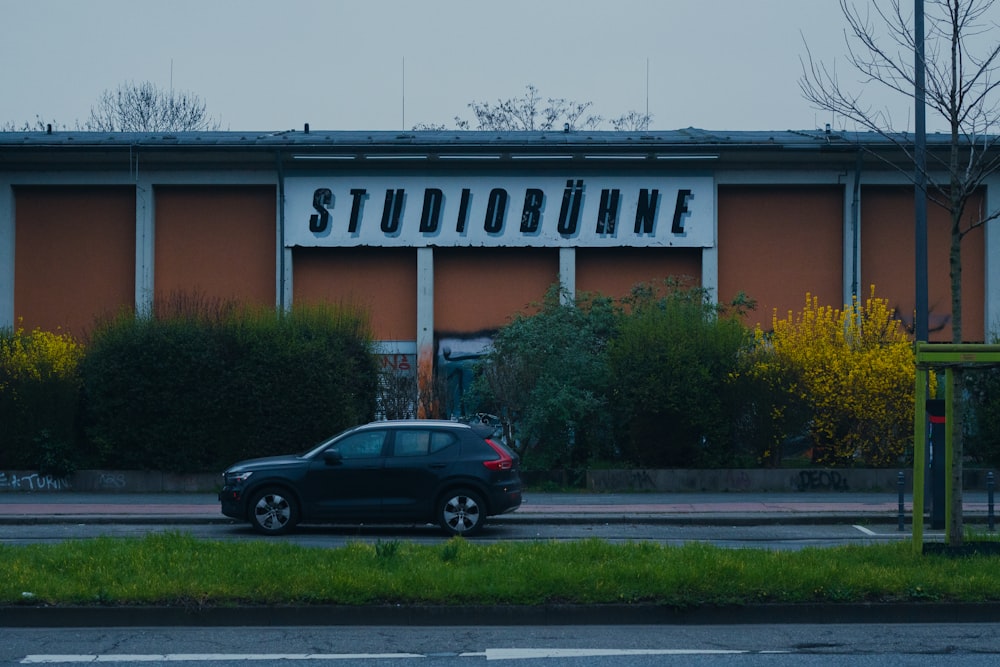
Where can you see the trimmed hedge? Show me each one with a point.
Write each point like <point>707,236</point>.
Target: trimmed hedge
<point>196,392</point>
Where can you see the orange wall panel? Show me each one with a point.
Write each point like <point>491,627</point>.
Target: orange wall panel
<point>74,256</point>
<point>888,261</point>
<point>383,280</point>
<point>778,243</point>
<point>217,242</point>
<point>614,272</point>
<point>482,288</point>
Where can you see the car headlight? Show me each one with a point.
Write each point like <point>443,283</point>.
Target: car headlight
<point>237,477</point>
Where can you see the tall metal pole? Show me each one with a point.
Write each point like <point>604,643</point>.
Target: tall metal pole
<point>920,252</point>
<point>920,175</point>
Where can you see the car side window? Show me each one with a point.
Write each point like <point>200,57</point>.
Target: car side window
<point>412,443</point>
<point>361,445</point>
<point>420,442</point>
<point>441,440</point>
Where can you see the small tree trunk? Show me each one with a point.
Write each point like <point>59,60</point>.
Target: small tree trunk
<point>956,529</point>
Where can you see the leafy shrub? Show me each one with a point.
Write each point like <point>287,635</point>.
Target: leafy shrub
<point>770,414</point>
<point>671,364</point>
<point>39,396</point>
<point>981,394</point>
<point>546,378</point>
<point>203,385</point>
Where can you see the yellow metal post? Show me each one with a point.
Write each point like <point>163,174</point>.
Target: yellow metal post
<point>919,458</point>
<point>949,400</point>
<point>929,356</point>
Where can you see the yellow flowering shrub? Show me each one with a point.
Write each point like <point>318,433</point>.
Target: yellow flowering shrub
<point>855,370</point>
<point>39,395</point>
<point>37,355</point>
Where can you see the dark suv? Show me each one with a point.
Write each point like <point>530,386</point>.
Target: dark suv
<point>423,471</point>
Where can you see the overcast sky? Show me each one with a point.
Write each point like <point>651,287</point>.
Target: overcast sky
<point>390,64</point>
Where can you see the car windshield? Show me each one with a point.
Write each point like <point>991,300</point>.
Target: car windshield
<point>323,444</point>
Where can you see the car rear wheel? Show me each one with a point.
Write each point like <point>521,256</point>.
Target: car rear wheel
<point>461,513</point>
<point>273,512</point>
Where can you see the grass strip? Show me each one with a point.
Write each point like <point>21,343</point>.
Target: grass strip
<point>178,569</point>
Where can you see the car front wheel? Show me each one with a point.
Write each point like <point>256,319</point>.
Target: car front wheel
<point>461,513</point>
<point>273,512</point>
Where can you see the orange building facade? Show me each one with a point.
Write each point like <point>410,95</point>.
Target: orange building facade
<point>443,237</point>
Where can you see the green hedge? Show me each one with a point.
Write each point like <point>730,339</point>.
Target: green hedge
<point>197,392</point>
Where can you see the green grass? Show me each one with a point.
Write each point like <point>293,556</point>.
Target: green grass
<point>177,569</point>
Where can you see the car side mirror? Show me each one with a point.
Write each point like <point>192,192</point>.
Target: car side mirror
<point>333,457</point>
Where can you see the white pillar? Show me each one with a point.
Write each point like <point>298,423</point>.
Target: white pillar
<point>145,247</point>
<point>567,272</point>
<point>710,256</point>
<point>425,326</point>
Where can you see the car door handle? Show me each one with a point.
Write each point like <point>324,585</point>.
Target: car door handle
<point>437,465</point>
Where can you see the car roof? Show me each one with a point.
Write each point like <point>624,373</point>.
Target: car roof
<point>416,423</point>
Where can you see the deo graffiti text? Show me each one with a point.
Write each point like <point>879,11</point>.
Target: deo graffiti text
<point>822,480</point>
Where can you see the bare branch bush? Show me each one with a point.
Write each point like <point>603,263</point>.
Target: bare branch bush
<point>533,113</point>
<point>961,64</point>
<point>144,107</point>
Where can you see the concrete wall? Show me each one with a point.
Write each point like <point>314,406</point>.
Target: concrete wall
<point>109,481</point>
<point>778,480</point>
<point>601,481</point>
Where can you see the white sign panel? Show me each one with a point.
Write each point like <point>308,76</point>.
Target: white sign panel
<point>499,211</point>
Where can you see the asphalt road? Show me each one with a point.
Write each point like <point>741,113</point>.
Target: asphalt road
<point>767,536</point>
<point>808,645</point>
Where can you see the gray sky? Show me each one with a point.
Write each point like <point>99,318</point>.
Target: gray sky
<point>390,64</point>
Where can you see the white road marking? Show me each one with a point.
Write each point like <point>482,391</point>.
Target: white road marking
<point>489,654</point>
<point>206,657</point>
<point>534,653</point>
<point>866,531</point>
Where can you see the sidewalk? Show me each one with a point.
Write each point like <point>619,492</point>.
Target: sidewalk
<point>696,508</point>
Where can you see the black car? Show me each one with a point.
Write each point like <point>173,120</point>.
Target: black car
<point>425,471</point>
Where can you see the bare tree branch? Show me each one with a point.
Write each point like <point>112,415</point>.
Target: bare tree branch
<point>531,113</point>
<point>144,107</point>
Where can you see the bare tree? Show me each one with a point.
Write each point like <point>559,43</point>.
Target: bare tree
<point>38,125</point>
<point>961,86</point>
<point>133,107</point>
<point>631,121</point>
<point>144,107</point>
<point>532,113</point>
<point>397,394</point>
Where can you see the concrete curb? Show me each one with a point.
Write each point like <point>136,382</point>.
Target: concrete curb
<point>554,615</point>
<point>536,519</point>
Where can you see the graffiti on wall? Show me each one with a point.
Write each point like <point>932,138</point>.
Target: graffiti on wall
<point>397,396</point>
<point>111,481</point>
<point>456,358</point>
<point>32,481</point>
<point>822,480</point>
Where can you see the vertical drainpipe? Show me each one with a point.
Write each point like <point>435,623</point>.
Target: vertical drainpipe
<point>856,229</point>
<point>7,256</point>
<point>283,283</point>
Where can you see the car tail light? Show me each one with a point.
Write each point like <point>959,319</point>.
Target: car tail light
<point>505,462</point>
